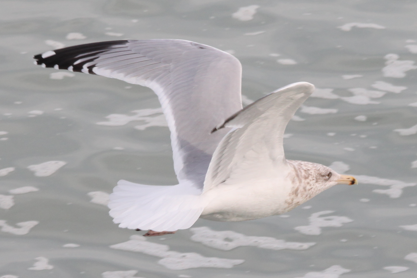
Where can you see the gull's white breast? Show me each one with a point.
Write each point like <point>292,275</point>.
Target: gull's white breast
<point>247,200</point>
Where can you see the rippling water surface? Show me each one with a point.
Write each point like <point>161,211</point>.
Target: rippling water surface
<point>66,139</point>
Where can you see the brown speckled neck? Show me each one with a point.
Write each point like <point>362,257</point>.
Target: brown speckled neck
<point>305,183</point>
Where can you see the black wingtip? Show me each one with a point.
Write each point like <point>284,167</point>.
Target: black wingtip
<point>217,128</point>
<point>74,58</point>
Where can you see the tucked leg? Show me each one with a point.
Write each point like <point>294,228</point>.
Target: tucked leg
<point>153,233</point>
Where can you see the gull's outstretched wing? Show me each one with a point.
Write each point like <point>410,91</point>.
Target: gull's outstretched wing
<point>198,86</point>
<point>255,144</point>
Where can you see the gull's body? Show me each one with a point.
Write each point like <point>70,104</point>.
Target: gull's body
<point>229,161</point>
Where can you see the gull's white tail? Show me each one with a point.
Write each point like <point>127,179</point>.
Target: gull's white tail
<point>157,208</point>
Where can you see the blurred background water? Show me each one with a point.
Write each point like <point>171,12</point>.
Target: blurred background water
<point>66,139</point>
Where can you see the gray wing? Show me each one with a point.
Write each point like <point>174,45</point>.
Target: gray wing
<point>197,85</point>
<point>254,146</point>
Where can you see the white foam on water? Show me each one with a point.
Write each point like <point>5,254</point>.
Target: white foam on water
<point>297,118</point>
<point>23,190</point>
<point>367,93</point>
<point>412,48</point>
<point>36,112</point>
<point>6,201</point>
<point>71,245</point>
<point>228,240</point>
<point>396,269</point>
<point>318,221</point>
<point>46,168</point>
<point>5,171</point>
<point>120,274</point>
<point>245,13</point>
<point>351,76</point>
<point>114,34</point>
<point>410,227</point>
<point>414,104</point>
<point>41,264</point>
<point>407,131</point>
<point>349,26</point>
<point>332,272</point>
<point>54,44</point>
<point>172,259</point>
<point>246,100</point>
<point>340,167</point>
<point>317,111</point>
<point>361,118</point>
<point>151,118</point>
<point>99,197</point>
<point>396,186</point>
<point>3,132</point>
<point>324,93</point>
<point>286,62</point>
<point>25,227</point>
<point>60,75</point>
<point>385,86</point>
<point>358,99</point>
<point>414,164</point>
<point>75,36</point>
<point>397,68</point>
<point>254,33</point>
<point>9,276</point>
<point>411,257</point>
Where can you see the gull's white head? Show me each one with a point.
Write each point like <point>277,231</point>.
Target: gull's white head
<point>309,179</point>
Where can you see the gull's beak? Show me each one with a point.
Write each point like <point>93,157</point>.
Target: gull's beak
<point>347,180</point>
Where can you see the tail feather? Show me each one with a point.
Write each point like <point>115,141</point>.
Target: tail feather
<point>157,208</point>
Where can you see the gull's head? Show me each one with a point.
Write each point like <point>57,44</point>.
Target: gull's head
<point>309,179</point>
<point>328,177</point>
<point>322,176</point>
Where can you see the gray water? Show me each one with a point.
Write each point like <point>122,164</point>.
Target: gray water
<point>62,148</point>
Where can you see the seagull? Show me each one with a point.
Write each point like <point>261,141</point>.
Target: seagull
<point>229,161</point>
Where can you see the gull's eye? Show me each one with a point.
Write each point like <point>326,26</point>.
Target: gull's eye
<point>329,175</point>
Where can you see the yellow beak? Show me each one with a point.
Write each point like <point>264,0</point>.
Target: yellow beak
<point>347,180</point>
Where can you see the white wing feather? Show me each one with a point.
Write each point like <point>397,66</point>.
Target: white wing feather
<point>255,145</point>
<point>198,87</point>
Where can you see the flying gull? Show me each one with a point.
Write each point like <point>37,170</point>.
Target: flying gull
<point>229,161</point>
